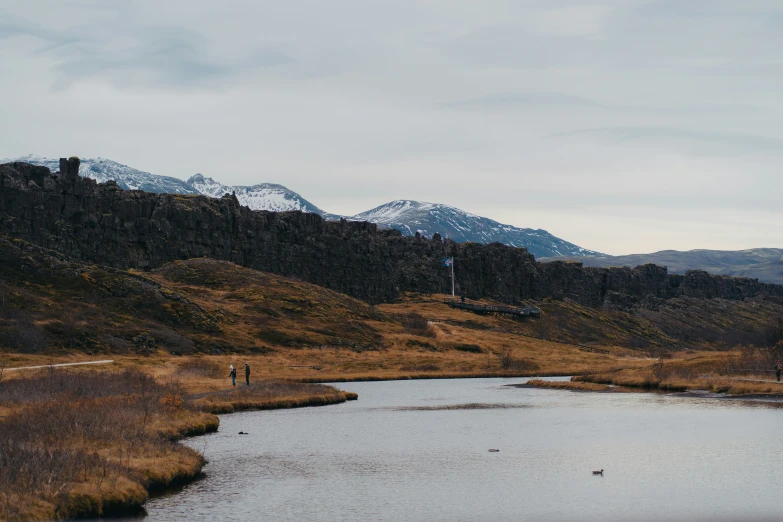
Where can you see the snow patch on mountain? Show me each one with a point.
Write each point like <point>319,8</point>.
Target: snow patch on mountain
<point>264,196</point>
<point>103,170</point>
<point>410,217</point>
<point>407,216</point>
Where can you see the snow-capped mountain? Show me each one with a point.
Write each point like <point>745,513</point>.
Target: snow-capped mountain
<point>406,216</point>
<point>410,217</point>
<point>264,196</point>
<point>103,170</point>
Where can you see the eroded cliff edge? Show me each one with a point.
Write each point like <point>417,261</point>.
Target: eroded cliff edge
<point>101,223</point>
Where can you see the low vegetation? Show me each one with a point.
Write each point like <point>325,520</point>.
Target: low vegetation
<point>87,442</point>
<point>272,395</point>
<point>567,385</point>
<point>748,370</point>
<point>91,443</point>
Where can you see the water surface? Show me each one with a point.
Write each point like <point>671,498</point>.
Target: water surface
<point>417,451</point>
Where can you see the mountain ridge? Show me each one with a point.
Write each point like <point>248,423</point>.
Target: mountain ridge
<point>411,217</point>
<point>764,264</point>
<point>101,223</point>
<point>419,217</point>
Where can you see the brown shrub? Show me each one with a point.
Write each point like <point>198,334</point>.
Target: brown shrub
<point>416,324</point>
<point>470,348</point>
<point>420,368</point>
<point>77,431</point>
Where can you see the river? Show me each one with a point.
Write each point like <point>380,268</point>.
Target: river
<point>418,451</point>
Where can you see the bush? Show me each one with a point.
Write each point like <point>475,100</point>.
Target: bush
<point>416,324</point>
<point>420,368</point>
<point>78,429</point>
<point>27,337</point>
<point>773,333</point>
<point>118,343</point>
<point>470,348</point>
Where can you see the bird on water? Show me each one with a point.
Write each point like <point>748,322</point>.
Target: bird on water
<point>599,473</point>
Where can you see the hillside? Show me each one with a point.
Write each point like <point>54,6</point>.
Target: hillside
<point>53,304</point>
<point>409,217</point>
<point>412,217</point>
<point>764,264</point>
<point>103,224</point>
<point>197,305</point>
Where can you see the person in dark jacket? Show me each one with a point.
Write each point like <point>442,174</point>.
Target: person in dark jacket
<point>247,374</point>
<point>233,375</point>
<point>778,369</point>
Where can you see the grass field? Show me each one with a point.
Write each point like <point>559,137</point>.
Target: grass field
<point>83,441</point>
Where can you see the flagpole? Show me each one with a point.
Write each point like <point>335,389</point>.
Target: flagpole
<point>452,276</point>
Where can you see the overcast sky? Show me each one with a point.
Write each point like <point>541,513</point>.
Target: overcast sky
<point>622,126</point>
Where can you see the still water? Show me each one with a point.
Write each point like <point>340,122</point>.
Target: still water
<point>417,451</point>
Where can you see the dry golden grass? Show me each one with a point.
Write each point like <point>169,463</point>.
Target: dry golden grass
<point>685,371</point>
<point>568,385</point>
<point>271,395</point>
<point>87,441</point>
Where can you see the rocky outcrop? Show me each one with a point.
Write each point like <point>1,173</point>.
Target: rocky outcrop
<point>103,224</point>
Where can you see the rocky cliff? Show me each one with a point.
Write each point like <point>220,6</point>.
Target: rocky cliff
<point>104,224</point>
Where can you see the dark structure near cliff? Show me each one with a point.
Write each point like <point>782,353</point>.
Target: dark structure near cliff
<point>132,229</point>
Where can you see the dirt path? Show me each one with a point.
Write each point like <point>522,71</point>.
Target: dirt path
<point>106,361</point>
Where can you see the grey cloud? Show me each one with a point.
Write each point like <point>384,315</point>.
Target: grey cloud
<point>704,36</point>
<point>507,100</point>
<point>689,141</point>
<point>547,104</point>
<point>503,100</point>
<point>157,56</point>
<point>168,61</point>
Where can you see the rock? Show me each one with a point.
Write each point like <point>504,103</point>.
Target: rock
<point>103,224</point>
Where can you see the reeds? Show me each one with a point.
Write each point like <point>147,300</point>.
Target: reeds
<point>87,443</point>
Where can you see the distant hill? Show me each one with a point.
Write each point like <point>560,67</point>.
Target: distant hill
<point>764,264</point>
<point>407,216</point>
<point>410,217</point>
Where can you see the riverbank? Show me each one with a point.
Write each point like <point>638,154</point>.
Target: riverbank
<point>84,443</point>
<point>565,385</point>
<point>677,376</point>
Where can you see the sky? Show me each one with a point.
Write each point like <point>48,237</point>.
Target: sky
<point>623,126</point>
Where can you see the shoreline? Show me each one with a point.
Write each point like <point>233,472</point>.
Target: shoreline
<point>591,387</point>
<point>428,376</point>
<point>160,487</point>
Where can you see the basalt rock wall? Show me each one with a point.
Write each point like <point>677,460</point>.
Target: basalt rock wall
<point>103,224</point>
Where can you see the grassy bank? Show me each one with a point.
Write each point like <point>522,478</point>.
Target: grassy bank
<point>704,371</point>
<point>90,443</point>
<point>567,385</point>
<point>271,395</point>
<point>85,442</point>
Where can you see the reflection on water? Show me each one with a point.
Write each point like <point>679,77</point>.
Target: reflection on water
<point>417,450</point>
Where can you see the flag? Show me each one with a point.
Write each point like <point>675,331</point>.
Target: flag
<point>448,261</point>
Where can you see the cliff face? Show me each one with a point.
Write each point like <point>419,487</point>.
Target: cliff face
<point>101,223</point>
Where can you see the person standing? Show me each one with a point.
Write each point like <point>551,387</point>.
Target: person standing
<point>778,369</point>
<point>247,374</point>
<point>233,374</point>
